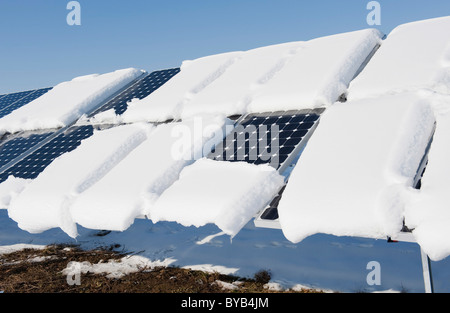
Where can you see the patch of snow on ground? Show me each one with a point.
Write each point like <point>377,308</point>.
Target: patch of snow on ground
<point>115,269</point>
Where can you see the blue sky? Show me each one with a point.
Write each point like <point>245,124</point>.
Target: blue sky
<point>39,49</point>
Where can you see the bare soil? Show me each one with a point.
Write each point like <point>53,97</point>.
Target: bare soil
<point>40,271</point>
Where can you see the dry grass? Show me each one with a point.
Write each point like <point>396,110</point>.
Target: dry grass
<point>40,271</point>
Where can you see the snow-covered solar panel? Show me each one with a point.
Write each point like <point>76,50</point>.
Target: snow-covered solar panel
<point>35,161</point>
<point>6,108</point>
<point>33,164</point>
<point>43,203</point>
<point>139,90</point>
<point>290,76</point>
<point>354,176</point>
<point>65,103</point>
<point>267,138</point>
<point>413,56</point>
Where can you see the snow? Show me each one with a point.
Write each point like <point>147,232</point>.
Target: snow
<point>273,287</point>
<point>318,73</point>
<point>414,56</point>
<point>293,75</point>
<point>115,269</point>
<point>19,247</point>
<point>354,174</point>
<point>68,101</point>
<point>131,188</point>
<point>45,201</point>
<point>227,194</point>
<point>9,188</point>
<point>232,92</point>
<point>227,286</point>
<point>210,268</point>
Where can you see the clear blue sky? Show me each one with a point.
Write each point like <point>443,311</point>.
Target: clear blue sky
<point>39,49</point>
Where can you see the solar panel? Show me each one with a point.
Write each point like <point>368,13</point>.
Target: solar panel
<point>9,99</point>
<point>34,163</point>
<point>14,146</point>
<point>139,90</point>
<point>267,138</point>
<point>6,108</point>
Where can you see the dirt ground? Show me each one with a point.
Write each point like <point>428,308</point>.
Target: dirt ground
<point>40,271</point>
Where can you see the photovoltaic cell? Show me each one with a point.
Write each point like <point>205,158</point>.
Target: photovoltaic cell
<point>33,164</point>
<point>266,138</point>
<point>6,109</point>
<point>139,90</point>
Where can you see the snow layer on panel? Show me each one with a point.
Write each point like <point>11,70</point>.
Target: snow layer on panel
<point>429,213</point>
<point>131,188</point>
<point>227,194</point>
<point>168,101</point>
<point>354,174</point>
<point>45,201</point>
<point>232,92</point>
<point>68,101</point>
<point>287,76</point>
<point>9,188</point>
<point>414,55</point>
<point>318,73</point>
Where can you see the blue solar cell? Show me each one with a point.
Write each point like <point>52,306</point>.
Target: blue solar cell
<point>5,110</point>
<point>306,125</point>
<point>33,164</point>
<point>291,127</point>
<point>299,118</point>
<point>139,90</point>
<point>311,118</point>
